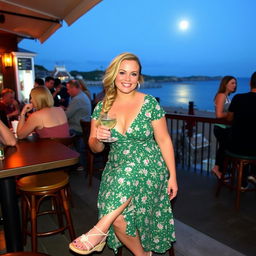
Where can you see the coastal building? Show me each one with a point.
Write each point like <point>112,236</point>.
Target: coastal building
<point>62,73</point>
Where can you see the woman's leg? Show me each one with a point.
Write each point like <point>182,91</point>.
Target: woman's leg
<point>103,224</point>
<point>221,135</point>
<point>132,243</point>
<point>115,217</point>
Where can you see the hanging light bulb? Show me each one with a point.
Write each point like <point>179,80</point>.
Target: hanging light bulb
<point>7,60</point>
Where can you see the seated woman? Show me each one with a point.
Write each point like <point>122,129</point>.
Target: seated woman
<point>47,121</point>
<point>227,86</point>
<point>6,136</point>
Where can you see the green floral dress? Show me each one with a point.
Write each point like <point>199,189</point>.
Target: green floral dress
<point>136,169</point>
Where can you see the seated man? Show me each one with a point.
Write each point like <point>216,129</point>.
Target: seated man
<point>9,105</point>
<point>78,108</point>
<point>242,113</point>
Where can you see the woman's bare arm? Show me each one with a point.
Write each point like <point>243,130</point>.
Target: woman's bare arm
<point>6,136</point>
<point>94,140</point>
<point>219,106</point>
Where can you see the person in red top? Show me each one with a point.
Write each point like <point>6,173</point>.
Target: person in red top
<point>47,121</point>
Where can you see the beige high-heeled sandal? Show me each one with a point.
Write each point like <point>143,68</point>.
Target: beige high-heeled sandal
<point>84,239</point>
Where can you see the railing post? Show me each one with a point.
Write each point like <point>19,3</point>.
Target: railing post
<point>191,108</point>
<point>190,124</point>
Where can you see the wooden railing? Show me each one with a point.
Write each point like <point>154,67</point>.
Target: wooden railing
<point>193,140</point>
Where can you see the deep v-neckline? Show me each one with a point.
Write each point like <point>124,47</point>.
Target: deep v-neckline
<point>133,121</point>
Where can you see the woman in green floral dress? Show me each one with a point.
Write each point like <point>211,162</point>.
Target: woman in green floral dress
<point>139,179</point>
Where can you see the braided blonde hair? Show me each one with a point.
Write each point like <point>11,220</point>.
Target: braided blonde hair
<point>110,76</point>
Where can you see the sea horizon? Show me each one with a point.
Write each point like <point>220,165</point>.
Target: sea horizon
<point>179,94</point>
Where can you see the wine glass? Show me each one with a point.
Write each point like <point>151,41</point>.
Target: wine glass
<point>110,122</point>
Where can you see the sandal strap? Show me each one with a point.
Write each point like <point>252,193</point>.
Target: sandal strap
<point>101,232</point>
<point>85,238</point>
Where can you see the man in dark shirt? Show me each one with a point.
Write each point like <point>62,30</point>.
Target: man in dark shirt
<point>49,82</point>
<point>242,113</point>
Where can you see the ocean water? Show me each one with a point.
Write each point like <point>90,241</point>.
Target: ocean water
<point>179,94</point>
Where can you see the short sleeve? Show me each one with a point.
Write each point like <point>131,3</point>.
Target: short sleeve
<point>157,112</point>
<point>97,111</point>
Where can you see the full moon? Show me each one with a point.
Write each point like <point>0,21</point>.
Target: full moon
<point>183,25</point>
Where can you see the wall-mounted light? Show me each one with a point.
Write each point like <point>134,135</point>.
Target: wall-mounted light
<point>7,60</point>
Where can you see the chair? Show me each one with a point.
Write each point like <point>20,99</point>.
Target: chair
<point>34,189</point>
<point>24,254</point>
<point>90,156</point>
<point>234,164</point>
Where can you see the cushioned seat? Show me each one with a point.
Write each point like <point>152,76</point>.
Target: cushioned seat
<point>234,166</point>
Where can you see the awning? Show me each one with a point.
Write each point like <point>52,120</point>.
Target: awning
<point>40,18</point>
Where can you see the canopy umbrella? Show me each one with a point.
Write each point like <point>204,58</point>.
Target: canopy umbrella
<point>41,18</point>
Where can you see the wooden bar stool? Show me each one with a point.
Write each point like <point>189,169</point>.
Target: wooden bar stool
<point>234,164</point>
<point>25,254</point>
<point>34,189</point>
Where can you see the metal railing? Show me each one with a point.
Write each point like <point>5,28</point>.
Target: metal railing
<point>193,140</point>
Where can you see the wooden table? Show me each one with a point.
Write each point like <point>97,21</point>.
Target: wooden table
<point>26,158</point>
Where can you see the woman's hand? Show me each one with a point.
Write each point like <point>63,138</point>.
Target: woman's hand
<point>172,188</point>
<point>102,132</point>
<point>26,108</point>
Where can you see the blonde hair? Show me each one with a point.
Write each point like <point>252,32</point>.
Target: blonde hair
<point>110,76</point>
<point>42,97</point>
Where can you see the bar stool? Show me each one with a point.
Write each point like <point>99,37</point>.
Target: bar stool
<point>34,189</point>
<point>25,254</point>
<point>235,164</point>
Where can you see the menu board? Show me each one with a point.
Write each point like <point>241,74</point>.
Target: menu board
<point>24,64</point>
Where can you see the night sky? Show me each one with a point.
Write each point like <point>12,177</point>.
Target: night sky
<point>220,37</point>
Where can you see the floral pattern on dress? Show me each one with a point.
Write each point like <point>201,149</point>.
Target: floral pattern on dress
<point>136,170</point>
